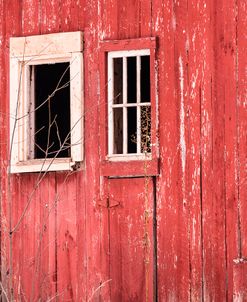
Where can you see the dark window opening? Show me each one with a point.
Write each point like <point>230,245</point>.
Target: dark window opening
<point>131,80</point>
<point>145,79</point>
<point>118,81</point>
<point>132,127</point>
<point>52,110</point>
<point>118,130</point>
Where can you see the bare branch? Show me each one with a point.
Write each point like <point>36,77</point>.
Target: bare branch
<point>98,288</point>
<point>4,292</point>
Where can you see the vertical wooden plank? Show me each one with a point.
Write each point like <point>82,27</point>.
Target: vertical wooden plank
<point>231,190</point>
<point>145,18</point>
<point>49,16</point>
<point>212,163</point>
<point>163,26</point>
<point>206,162</point>
<point>97,273</point>
<point>82,14</point>
<point>110,19</point>
<point>17,267</point>
<point>131,239</point>
<point>128,19</point>
<point>213,176</point>
<point>67,248</point>
<point>81,236</point>
<point>125,19</point>
<point>242,123</point>
<point>47,240</point>
<point>30,17</point>
<point>199,86</point>
<point>180,10</point>
<point>69,12</point>
<point>181,72</point>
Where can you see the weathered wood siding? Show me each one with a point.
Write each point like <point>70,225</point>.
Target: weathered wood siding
<point>68,244</point>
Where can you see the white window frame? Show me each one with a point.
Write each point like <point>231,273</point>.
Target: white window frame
<point>35,50</point>
<point>125,156</point>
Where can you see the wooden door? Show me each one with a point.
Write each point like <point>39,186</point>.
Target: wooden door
<point>132,239</point>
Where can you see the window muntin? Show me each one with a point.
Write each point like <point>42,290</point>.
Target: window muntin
<point>129,104</point>
<point>33,59</point>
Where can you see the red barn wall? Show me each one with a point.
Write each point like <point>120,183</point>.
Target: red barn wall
<point>62,247</point>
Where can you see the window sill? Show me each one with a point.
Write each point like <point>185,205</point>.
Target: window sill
<point>130,168</point>
<point>42,165</point>
<point>131,156</point>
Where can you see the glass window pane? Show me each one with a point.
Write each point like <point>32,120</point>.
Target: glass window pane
<point>118,130</point>
<point>118,80</point>
<point>131,79</point>
<point>145,129</point>
<point>145,79</point>
<point>132,127</point>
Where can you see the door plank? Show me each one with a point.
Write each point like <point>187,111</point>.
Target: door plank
<point>131,239</point>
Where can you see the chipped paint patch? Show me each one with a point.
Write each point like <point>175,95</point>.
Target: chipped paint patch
<point>182,115</point>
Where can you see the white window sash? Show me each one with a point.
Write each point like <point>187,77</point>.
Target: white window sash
<point>36,50</point>
<point>124,55</point>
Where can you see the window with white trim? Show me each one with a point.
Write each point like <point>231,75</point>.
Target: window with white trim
<point>46,102</point>
<point>129,104</point>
